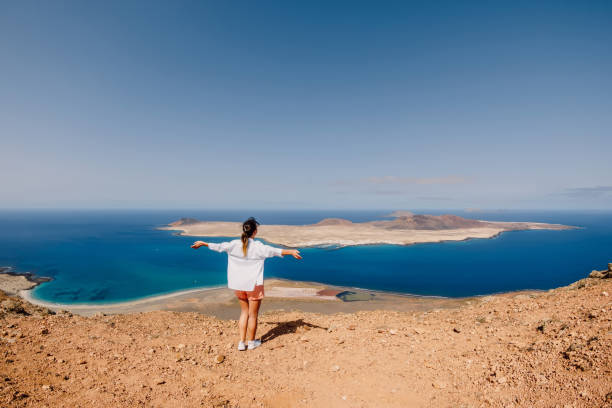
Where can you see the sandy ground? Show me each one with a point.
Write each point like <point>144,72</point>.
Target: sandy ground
<point>13,284</point>
<point>547,349</point>
<point>352,233</point>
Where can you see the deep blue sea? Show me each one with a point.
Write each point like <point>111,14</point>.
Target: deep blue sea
<point>109,256</point>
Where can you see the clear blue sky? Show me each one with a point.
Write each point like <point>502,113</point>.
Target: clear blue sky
<point>227,104</point>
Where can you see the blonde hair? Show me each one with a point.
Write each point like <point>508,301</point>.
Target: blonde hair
<point>248,229</point>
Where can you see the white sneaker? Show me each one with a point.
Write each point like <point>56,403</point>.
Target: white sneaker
<point>241,346</point>
<point>253,344</point>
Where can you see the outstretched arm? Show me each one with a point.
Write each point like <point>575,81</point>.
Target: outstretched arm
<point>218,247</point>
<point>293,252</point>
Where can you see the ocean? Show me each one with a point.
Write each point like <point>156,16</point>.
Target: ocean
<point>113,256</point>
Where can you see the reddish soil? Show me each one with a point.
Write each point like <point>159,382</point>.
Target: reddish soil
<point>550,349</point>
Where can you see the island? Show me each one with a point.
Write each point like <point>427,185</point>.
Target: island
<point>401,228</point>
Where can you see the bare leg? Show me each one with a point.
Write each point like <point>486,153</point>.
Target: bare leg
<point>244,317</point>
<point>253,312</point>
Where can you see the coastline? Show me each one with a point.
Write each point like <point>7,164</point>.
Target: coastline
<point>12,282</point>
<point>281,295</point>
<point>27,294</point>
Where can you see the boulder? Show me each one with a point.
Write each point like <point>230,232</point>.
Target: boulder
<point>602,274</point>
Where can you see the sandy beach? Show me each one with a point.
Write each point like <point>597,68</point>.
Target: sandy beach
<point>280,295</point>
<point>402,230</point>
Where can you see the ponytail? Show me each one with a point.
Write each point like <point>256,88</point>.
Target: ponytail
<point>245,242</point>
<point>249,227</point>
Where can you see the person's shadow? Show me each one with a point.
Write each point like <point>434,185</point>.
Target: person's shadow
<point>287,328</point>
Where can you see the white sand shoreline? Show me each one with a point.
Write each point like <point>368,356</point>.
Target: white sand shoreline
<point>306,290</point>
<point>29,296</point>
<point>281,294</point>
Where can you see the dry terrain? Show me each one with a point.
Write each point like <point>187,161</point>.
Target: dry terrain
<point>403,229</point>
<point>541,349</point>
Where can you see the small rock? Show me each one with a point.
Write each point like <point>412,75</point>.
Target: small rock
<point>180,346</point>
<point>44,331</point>
<point>151,351</point>
<point>604,293</point>
<point>83,362</point>
<point>160,382</point>
<point>352,327</point>
<point>47,387</point>
<point>593,315</point>
<point>20,395</point>
<point>335,368</point>
<point>220,358</point>
<point>393,331</point>
<point>66,378</point>
<point>501,380</point>
<point>542,325</point>
<point>456,330</point>
<point>439,385</point>
<point>584,394</point>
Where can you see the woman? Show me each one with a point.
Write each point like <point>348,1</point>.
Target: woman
<point>245,265</point>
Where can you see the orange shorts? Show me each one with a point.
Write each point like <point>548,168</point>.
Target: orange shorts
<point>256,294</point>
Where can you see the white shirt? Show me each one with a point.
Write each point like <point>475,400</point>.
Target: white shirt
<point>244,272</point>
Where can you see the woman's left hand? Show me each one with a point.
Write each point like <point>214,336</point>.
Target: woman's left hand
<point>198,244</point>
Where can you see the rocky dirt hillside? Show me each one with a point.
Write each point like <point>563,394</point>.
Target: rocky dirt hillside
<point>540,349</point>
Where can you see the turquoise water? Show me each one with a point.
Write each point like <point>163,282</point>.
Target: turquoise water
<point>108,256</point>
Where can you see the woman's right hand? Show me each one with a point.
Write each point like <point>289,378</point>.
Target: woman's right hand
<point>198,244</point>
